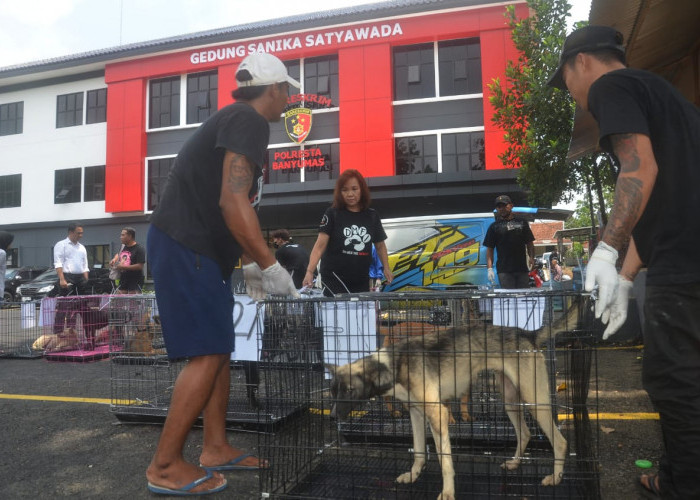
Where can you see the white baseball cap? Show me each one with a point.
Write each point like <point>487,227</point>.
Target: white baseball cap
<point>264,69</point>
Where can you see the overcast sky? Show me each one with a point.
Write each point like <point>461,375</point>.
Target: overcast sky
<point>33,30</point>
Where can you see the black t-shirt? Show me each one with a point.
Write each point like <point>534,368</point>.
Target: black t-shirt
<point>633,101</point>
<point>349,250</point>
<point>509,238</point>
<point>134,254</point>
<point>189,209</point>
<point>295,259</point>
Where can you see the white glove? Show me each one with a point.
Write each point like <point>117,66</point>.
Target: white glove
<point>253,281</point>
<point>492,275</point>
<point>276,279</point>
<point>601,271</point>
<point>617,312</point>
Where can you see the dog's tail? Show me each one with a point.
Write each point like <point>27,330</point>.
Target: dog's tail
<point>566,322</point>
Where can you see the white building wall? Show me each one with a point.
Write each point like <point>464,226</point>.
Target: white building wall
<point>42,149</point>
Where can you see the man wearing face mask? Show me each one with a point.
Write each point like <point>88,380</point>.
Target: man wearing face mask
<point>291,256</point>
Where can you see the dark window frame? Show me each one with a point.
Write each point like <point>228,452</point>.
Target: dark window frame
<point>321,77</point>
<point>10,191</point>
<point>96,106</point>
<point>458,68</point>
<point>412,159</point>
<point>462,151</point>
<point>11,118</point>
<point>164,102</point>
<point>94,183</point>
<point>67,185</point>
<point>69,109</point>
<point>157,176</point>
<point>97,252</point>
<point>202,96</point>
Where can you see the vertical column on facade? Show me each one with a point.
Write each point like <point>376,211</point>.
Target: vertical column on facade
<point>366,113</point>
<point>227,84</point>
<point>497,49</point>
<point>126,146</point>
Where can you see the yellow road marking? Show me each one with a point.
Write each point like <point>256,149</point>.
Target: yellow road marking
<point>563,416</point>
<point>315,411</point>
<point>65,399</point>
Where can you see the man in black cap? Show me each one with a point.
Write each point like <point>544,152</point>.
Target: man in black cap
<point>653,134</point>
<point>511,237</point>
<point>291,256</point>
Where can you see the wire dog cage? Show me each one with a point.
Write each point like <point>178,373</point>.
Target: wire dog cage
<point>72,328</point>
<point>489,370</point>
<point>20,326</point>
<point>277,361</point>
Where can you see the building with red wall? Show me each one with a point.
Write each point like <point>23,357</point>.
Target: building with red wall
<point>395,90</point>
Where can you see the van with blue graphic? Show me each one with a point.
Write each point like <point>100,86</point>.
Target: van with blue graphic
<point>445,252</point>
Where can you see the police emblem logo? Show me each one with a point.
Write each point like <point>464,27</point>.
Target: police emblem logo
<point>297,122</point>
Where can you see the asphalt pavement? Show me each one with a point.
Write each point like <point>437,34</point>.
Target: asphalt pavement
<point>60,439</point>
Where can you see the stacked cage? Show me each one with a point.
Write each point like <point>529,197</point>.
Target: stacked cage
<point>20,329</point>
<point>275,363</point>
<point>490,389</point>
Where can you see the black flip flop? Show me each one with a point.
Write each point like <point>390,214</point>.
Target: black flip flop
<point>652,491</point>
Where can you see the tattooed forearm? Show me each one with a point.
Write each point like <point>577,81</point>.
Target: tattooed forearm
<point>239,177</point>
<point>625,212</point>
<point>625,148</point>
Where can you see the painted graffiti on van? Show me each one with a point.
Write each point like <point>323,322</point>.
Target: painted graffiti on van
<point>445,257</point>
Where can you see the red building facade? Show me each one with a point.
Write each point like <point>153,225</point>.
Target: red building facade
<point>372,114</point>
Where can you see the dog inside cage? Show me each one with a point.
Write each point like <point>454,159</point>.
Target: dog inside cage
<point>444,395</point>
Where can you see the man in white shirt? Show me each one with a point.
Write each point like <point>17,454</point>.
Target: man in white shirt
<point>70,261</point>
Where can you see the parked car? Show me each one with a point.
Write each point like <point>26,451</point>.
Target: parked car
<point>46,285</point>
<point>16,277</point>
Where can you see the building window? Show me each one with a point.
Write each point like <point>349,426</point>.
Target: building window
<point>96,111</point>
<point>462,152</point>
<point>13,257</point>
<point>202,96</point>
<point>94,183</point>
<point>458,63</point>
<point>416,155</point>
<point>158,171</point>
<point>11,118</point>
<point>164,102</point>
<point>98,256</point>
<point>414,72</point>
<point>321,77</point>
<point>460,67</point>
<point>330,154</point>
<point>69,110</point>
<point>294,70</point>
<point>10,191</point>
<point>67,185</point>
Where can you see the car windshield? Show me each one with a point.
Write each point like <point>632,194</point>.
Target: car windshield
<point>10,273</point>
<point>49,273</point>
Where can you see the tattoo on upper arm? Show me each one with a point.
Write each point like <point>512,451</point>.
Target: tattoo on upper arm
<point>625,148</point>
<point>239,174</point>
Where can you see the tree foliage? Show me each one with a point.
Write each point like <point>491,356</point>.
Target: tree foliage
<point>537,119</point>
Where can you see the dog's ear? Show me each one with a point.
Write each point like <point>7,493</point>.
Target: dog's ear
<point>331,368</point>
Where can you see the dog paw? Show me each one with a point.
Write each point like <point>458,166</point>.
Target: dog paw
<point>406,478</point>
<point>511,464</point>
<point>466,417</point>
<point>446,496</point>
<point>551,480</point>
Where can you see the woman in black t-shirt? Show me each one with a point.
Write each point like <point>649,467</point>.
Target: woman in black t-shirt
<point>346,233</point>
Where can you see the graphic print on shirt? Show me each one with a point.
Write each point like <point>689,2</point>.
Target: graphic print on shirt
<point>356,240</point>
<point>125,258</point>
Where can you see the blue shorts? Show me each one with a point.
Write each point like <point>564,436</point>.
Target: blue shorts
<point>194,302</point>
